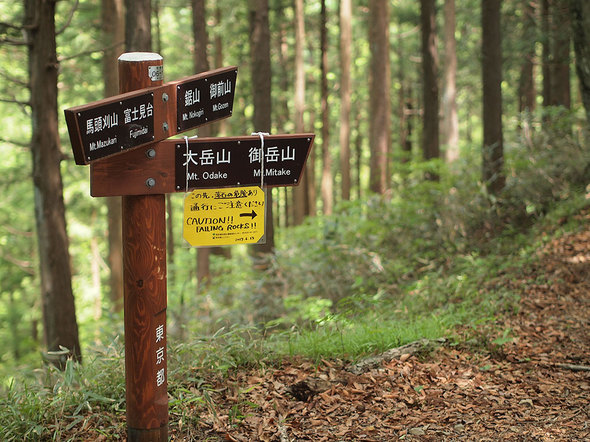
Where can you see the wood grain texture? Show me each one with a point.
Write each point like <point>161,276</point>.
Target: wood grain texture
<point>144,274</point>
<point>127,174</point>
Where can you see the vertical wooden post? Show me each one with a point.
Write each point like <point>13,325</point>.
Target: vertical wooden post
<point>144,274</point>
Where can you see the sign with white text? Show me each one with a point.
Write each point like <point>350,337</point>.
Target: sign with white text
<point>204,99</point>
<point>218,162</point>
<point>218,217</point>
<point>181,165</point>
<point>116,124</point>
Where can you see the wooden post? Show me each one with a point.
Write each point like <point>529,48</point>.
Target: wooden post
<point>144,274</point>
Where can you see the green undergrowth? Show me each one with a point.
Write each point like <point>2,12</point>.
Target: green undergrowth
<point>392,300</point>
<point>89,399</point>
<point>47,404</point>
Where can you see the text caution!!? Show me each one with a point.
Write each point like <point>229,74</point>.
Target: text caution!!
<point>218,217</point>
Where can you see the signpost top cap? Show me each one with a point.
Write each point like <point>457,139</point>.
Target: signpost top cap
<point>140,56</point>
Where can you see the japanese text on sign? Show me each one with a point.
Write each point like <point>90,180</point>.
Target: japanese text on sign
<point>160,356</point>
<point>117,126</point>
<point>224,216</point>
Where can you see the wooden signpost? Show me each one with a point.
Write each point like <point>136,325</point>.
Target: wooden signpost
<point>180,165</point>
<point>124,139</point>
<point>154,113</point>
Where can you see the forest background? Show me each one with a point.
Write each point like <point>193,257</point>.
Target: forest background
<point>421,162</point>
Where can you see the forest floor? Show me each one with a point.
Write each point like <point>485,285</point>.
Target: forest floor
<point>531,383</point>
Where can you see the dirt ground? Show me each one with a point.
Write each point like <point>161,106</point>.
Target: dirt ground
<point>535,387</point>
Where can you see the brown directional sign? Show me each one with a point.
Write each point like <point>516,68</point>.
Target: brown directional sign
<point>113,125</point>
<point>172,166</point>
<point>204,99</point>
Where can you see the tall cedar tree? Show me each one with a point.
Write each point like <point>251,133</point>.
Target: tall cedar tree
<point>450,121</point>
<point>345,93</point>
<point>526,85</point>
<point>201,65</point>
<point>560,53</point>
<point>379,102</point>
<point>580,17</point>
<point>430,134</point>
<point>300,193</point>
<point>113,30</point>
<point>59,313</point>
<point>261,90</point>
<point>327,186</point>
<point>138,28</point>
<point>405,108</point>
<point>493,145</point>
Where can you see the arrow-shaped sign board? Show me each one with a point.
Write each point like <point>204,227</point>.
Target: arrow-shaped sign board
<point>219,162</point>
<point>113,125</point>
<point>181,165</point>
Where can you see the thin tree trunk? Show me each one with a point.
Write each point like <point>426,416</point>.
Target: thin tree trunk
<point>526,84</point>
<point>201,63</point>
<point>113,28</point>
<point>379,101</point>
<point>283,114</point>
<point>59,312</point>
<point>560,66</point>
<point>580,15</point>
<point>282,49</point>
<point>546,32</point>
<point>493,148</point>
<point>526,88</point>
<point>300,195</point>
<point>345,94</point>
<point>408,129</point>
<point>327,187</point>
<point>310,180</point>
<point>450,121</point>
<point>261,92</point>
<point>404,105</point>
<point>430,134</point>
<point>358,155</point>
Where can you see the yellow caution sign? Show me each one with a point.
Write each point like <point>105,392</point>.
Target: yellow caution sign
<point>218,217</point>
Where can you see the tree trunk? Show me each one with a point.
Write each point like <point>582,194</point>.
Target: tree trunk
<point>327,187</point>
<point>261,93</point>
<point>138,29</point>
<point>358,155</point>
<point>59,313</point>
<point>300,195</point>
<point>526,87</point>
<point>379,101</point>
<point>113,28</point>
<point>546,32</point>
<point>560,66</point>
<point>404,104</point>
<point>580,15</point>
<point>430,134</point>
<point>493,149</point>
<point>527,93</point>
<point>282,117</point>
<point>450,122</point>
<point>201,39</point>
<point>221,125</point>
<point>345,94</point>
